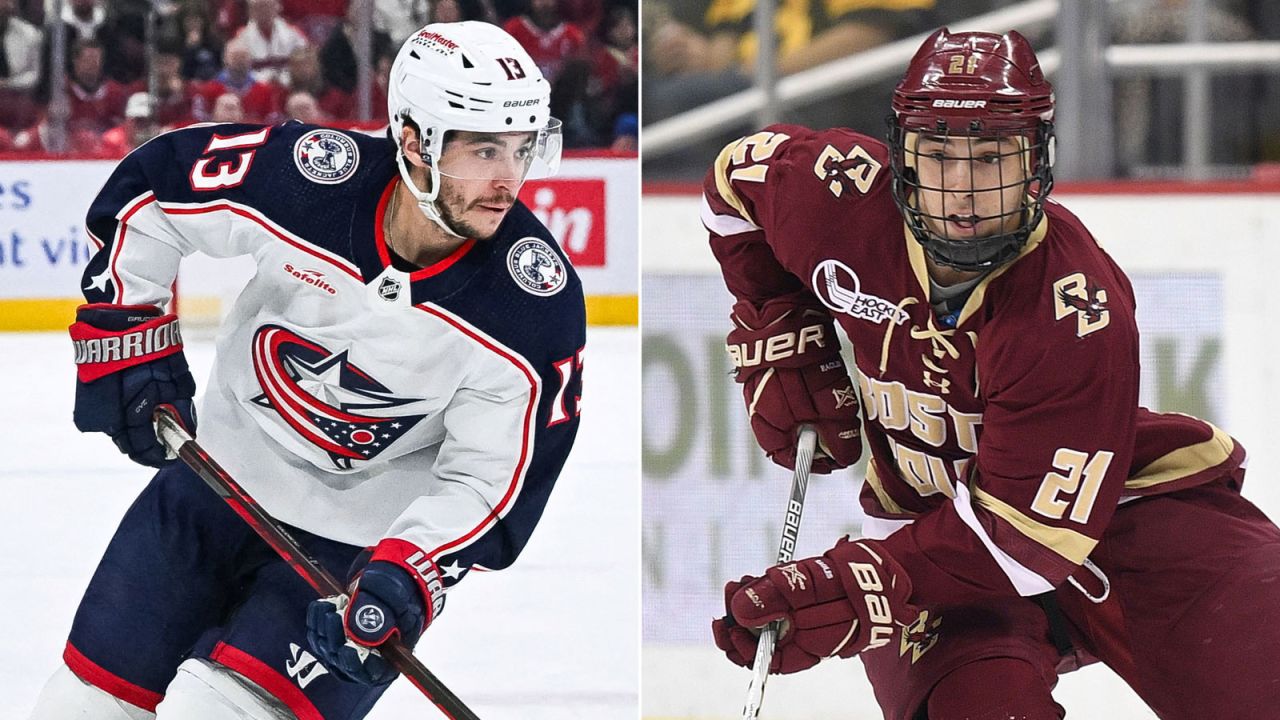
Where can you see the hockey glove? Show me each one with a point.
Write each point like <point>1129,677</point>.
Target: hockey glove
<point>788,361</point>
<point>398,593</point>
<point>129,361</point>
<point>852,598</point>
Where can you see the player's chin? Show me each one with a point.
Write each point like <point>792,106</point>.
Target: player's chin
<point>484,221</point>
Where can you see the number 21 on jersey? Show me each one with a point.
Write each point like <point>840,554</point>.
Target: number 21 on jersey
<point>1081,476</point>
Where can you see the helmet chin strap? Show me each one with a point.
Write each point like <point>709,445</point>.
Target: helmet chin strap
<point>426,200</point>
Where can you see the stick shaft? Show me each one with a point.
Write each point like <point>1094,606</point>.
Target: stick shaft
<point>175,438</point>
<point>805,447</point>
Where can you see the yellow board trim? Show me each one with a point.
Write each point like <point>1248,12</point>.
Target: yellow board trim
<point>835,8</point>
<point>27,315</point>
<point>23,315</point>
<point>1184,462</point>
<point>1068,543</point>
<point>613,309</point>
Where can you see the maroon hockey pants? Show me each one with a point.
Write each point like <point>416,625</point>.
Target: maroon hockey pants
<point>1192,624</point>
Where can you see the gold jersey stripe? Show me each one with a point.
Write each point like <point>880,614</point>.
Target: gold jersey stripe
<point>723,186</point>
<point>980,290</point>
<point>1068,543</point>
<point>886,502</point>
<point>1184,462</point>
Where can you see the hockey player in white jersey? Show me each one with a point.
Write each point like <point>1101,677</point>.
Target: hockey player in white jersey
<point>398,383</point>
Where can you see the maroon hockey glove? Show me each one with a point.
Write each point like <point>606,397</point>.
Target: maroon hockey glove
<point>852,598</point>
<point>788,361</point>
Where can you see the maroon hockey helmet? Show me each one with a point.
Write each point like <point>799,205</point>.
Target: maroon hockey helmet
<point>973,85</point>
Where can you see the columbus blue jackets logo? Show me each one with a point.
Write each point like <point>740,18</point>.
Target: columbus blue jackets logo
<point>536,267</point>
<point>327,400</point>
<point>326,156</point>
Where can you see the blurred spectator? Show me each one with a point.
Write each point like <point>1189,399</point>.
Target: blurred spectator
<point>588,14</point>
<point>316,18</point>
<point>302,106</point>
<point>305,77</point>
<point>139,126</point>
<point>257,98</point>
<point>338,56</point>
<point>175,95</point>
<point>97,101</point>
<point>626,133</point>
<point>269,39</point>
<point>616,55</point>
<point>398,19</point>
<point>549,40</point>
<point>20,44</point>
<point>84,18</point>
<point>227,108</point>
<point>458,10</point>
<point>201,46</point>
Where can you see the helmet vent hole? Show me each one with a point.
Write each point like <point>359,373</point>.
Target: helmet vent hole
<point>532,118</point>
<point>508,121</point>
<point>457,105</point>
<point>466,62</point>
<point>414,54</point>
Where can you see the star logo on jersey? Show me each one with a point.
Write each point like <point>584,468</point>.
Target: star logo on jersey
<point>325,398</point>
<point>1074,294</point>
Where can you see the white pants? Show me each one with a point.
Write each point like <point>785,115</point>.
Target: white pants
<point>202,690</point>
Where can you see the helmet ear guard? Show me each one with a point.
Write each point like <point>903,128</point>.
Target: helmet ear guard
<point>973,86</point>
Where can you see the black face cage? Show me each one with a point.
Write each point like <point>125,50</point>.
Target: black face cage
<point>972,253</point>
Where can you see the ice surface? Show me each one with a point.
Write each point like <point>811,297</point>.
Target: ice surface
<point>556,636</point>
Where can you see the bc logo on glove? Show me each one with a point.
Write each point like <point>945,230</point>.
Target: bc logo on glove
<point>370,619</point>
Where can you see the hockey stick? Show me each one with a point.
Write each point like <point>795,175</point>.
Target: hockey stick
<point>174,437</point>
<point>786,547</point>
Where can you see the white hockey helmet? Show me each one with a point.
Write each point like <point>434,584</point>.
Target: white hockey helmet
<point>470,76</point>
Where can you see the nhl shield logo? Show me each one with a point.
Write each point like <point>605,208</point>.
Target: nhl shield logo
<point>389,290</point>
<point>536,267</point>
<point>327,157</point>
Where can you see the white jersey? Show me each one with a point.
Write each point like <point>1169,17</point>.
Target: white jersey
<point>353,399</point>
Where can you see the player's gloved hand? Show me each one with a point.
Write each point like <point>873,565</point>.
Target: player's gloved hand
<point>788,361</point>
<point>850,599</point>
<point>398,593</point>
<point>129,361</point>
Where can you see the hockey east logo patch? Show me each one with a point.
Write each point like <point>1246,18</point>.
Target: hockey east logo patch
<point>327,157</point>
<point>535,267</point>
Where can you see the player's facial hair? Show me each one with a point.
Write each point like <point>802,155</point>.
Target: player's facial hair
<point>448,200</point>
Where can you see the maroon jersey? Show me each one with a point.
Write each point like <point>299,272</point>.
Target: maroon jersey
<point>1002,441</point>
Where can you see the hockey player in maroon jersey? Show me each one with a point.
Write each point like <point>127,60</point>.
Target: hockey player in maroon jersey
<point>1026,515</point>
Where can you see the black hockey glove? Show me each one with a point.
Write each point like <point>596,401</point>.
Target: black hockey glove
<point>129,361</point>
<point>398,593</point>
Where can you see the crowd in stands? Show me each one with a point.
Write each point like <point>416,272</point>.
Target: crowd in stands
<point>697,51</point>
<point>134,68</point>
